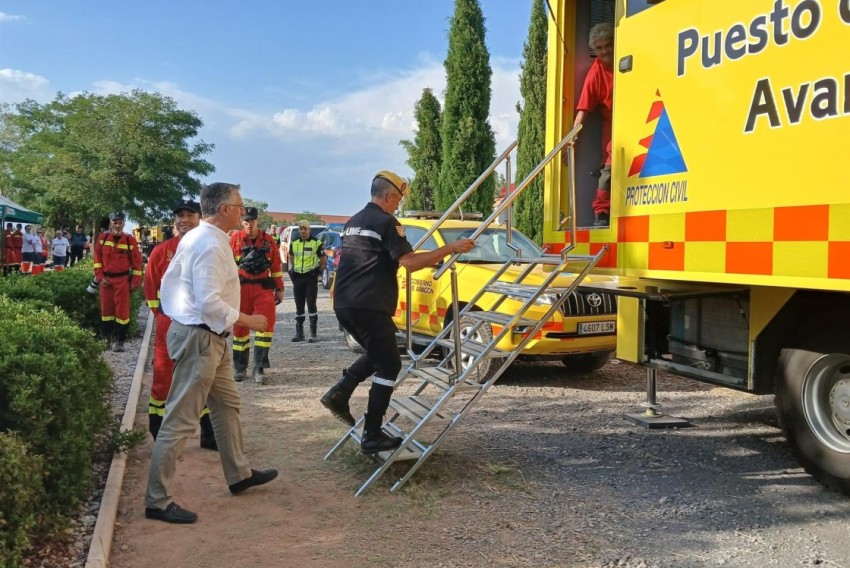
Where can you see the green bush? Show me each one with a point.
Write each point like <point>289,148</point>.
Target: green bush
<point>53,383</point>
<point>22,494</point>
<point>67,290</point>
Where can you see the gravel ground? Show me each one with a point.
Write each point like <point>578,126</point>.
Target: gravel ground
<point>545,472</point>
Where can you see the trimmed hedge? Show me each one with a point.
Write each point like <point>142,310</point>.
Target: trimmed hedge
<point>53,386</point>
<point>67,290</point>
<point>20,477</point>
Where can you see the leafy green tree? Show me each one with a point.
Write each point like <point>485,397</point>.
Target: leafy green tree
<point>467,139</point>
<point>78,158</point>
<point>424,153</point>
<point>532,124</point>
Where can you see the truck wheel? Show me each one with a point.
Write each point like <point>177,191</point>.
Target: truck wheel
<point>326,279</point>
<point>586,362</point>
<point>352,343</point>
<point>813,408</point>
<point>482,335</point>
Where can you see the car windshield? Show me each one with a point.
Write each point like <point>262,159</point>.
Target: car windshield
<point>490,246</point>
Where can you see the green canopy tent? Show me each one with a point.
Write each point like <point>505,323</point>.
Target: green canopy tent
<point>11,211</point>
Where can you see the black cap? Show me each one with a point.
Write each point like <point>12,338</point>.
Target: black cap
<point>117,215</point>
<point>251,214</point>
<point>188,205</point>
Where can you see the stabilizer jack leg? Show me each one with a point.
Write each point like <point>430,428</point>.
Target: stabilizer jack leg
<point>651,417</point>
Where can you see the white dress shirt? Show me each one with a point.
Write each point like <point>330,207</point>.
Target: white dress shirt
<point>201,285</point>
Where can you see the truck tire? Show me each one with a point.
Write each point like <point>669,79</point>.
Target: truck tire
<point>483,334</point>
<point>586,362</point>
<point>813,407</point>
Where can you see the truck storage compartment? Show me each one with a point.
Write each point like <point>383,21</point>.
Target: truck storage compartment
<point>711,333</point>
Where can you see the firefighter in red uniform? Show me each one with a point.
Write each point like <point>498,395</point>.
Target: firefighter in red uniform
<point>8,249</point>
<point>187,216</point>
<point>261,277</point>
<point>18,245</point>
<point>118,270</point>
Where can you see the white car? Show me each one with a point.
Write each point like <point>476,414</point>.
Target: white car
<point>287,234</point>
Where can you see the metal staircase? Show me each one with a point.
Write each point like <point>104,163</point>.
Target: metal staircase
<point>432,398</point>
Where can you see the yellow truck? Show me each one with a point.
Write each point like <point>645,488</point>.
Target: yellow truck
<point>729,231</point>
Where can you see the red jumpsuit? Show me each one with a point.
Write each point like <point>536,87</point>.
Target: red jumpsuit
<point>8,250</point>
<point>163,366</point>
<point>257,298</point>
<point>17,245</point>
<point>118,268</point>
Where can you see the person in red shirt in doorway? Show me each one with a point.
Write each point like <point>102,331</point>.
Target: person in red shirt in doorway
<point>118,270</point>
<point>261,279</point>
<point>597,94</point>
<point>187,216</point>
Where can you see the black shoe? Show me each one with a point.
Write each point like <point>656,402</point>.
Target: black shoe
<point>257,375</point>
<point>209,444</point>
<point>378,442</point>
<point>258,477</point>
<point>118,346</point>
<point>312,339</point>
<point>335,401</point>
<point>297,338</point>
<point>239,376</point>
<point>601,220</point>
<point>173,513</point>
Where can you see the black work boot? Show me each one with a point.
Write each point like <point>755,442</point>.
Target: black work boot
<point>240,363</point>
<point>336,399</point>
<point>207,434</point>
<point>154,424</point>
<point>374,439</point>
<point>257,375</point>
<point>299,330</point>
<point>120,332</point>
<point>314,322</point>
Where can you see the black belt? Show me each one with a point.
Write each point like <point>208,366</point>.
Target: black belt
<point>205,327</point>
<point>116,274</point>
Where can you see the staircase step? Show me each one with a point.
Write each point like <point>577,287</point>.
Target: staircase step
<point>441,377</point>
<point>523,291</point>
<point>500,318</point>
<point>415,408</point>
<point>471,347</point>
<point>552,259</point>
<point>413,451</point>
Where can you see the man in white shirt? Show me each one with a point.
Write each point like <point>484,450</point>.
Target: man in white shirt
<point>60,249</point>
<point>200,293</point>
<point>28,249</point>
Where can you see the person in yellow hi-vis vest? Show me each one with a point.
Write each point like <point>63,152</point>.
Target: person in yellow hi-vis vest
<point>306,263</point>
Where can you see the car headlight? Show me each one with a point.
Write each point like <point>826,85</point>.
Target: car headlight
<point>546,299</point>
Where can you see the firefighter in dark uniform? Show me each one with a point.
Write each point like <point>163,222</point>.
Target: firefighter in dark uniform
<point>365,296</point>
<point>118,270</point>
<point>261,277</point>
<point>306,262</point>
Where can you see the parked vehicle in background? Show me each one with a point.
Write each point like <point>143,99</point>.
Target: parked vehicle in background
<point>287,234</point>
<point>332,243</point>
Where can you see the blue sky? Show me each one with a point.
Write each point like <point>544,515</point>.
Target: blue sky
<point>304,101</point>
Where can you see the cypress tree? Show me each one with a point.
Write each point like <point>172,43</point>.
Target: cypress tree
<point>532,124</point>
<point>468,142</point>
<point>424,153</point>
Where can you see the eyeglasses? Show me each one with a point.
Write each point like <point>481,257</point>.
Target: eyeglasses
<point>239,205</point>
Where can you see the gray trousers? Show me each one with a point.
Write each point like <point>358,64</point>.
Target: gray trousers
<point>203,373</point>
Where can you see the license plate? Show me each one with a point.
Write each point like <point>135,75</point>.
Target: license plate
<point>596,327</point>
